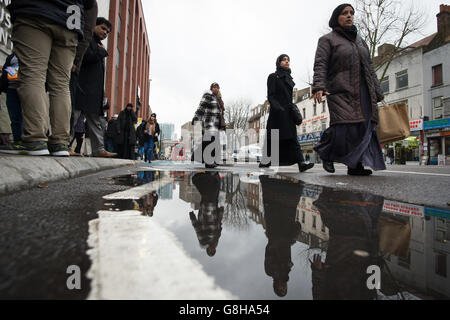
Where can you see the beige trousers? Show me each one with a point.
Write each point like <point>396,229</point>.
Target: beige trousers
<point>46,52</point>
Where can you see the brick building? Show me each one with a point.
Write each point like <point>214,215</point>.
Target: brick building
<point>128,64</point>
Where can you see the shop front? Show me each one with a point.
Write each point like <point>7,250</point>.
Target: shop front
<point>307,142</point>
<point>437,142</point>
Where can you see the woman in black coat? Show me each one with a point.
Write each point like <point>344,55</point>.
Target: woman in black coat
<point>344,72</point>
<point>280,86</point>
<point>126,140</point>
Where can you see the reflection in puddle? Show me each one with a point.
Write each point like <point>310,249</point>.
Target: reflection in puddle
<point>267,237</point>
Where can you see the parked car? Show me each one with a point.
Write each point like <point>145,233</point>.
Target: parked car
<point>252,153</point>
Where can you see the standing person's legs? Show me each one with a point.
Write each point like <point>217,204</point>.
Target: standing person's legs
<point>15,113</point>
<point>33,47</point>
<point>145,153</point>
<point>58,78</point>
<point>79,137</point>
<point>151,145</point>
<point>96,133</point>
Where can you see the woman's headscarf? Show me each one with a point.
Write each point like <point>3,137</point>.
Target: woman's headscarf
<point>351,32</point>
<point>334,21</point>
<point>284,73</point>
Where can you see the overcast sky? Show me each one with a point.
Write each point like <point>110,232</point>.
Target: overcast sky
<point>235,43</point>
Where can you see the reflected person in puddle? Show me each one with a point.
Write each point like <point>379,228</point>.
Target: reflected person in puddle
<point>280,198</point>
<point>208,223</point>
<point>352,220</point>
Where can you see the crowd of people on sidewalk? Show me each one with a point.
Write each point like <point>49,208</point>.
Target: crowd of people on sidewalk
<point>55,79</point>
<point>54,83</point>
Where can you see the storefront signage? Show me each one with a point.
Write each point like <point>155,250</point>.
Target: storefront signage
<point>438,213</point>
<point>437,124</point>
<point>416,125</point>
<point>310,137</point>
<point>306,121</point>
<point>404,209</point>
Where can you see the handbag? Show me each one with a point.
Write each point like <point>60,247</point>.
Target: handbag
<point>393,123</point>
<point>295,114</point>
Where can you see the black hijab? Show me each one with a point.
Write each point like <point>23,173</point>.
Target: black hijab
<point>283,73</point>
<point>351,32</point>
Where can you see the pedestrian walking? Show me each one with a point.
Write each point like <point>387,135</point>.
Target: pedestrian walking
<point>126,140</point>
<point>90,96</point>
<point>149,137</point>
<point>141,139</point>
<point>280,86</point>
<point>208,114</point>
<point>344,72</point>
<point>9,83</point>
<point>45,36</point>
<point>156,136</point>
<point>111,134</point>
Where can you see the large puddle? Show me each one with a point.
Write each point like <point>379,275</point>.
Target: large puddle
<point>269,237</point>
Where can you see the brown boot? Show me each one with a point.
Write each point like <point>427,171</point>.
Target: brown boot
<point>73,153</point>
<point>105,154</point>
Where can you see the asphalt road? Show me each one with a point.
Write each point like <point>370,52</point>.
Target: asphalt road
<point>43,231</point>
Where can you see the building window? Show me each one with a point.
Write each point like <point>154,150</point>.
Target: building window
<point>437,75</point>
<point>385,85</point>
<point>437,108</point>
<point>315,110</point>
<point>441,265</point>
<point>304,129</point>
<point>303,217</point>
<point>304,113</point>
<point>314,222</point>
<point>324,125</point>
<point>324,107</point>
<point>402,79</point>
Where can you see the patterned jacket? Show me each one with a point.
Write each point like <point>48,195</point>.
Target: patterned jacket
<point>208,112</point>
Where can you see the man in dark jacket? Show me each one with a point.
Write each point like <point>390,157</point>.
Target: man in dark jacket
<point>111,134</point>
<point>45,37</point>
<point>90,94</point>
<point>126,140</point>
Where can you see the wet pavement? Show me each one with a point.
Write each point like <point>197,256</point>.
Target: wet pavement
<point>271,237</point>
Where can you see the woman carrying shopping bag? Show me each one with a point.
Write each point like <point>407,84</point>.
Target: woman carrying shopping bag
<point>344,72</point>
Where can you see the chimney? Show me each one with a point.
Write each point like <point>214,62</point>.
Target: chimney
<point>385,49</point>
<point>443,19</point>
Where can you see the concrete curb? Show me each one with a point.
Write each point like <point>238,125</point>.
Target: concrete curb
<point>24,172</point>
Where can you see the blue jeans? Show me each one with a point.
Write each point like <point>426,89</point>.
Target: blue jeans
<point>110,146</point>
<point>15,113</point>
<point>148,149</point>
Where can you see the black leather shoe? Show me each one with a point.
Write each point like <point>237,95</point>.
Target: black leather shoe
<point>359,171</point>
<point>328,166</point>
<point>303,166</point>
<point>210,166</point>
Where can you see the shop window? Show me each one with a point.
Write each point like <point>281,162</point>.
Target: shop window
<point>402,79</point>
<point>441,265</point>
<point>437,108</point>
<point>385,85</point>
<point>437,75</point>
<point>324,125</point>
